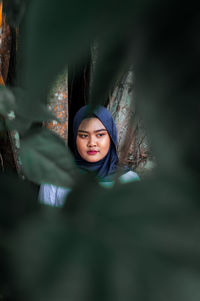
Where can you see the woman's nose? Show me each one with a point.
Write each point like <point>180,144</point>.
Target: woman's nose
<point>92,141</point>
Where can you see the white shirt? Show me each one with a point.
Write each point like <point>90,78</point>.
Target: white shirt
<point>55,196</point>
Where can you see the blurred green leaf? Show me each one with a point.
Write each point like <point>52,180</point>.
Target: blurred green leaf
<point>17,116</point>
<point>48,238</point>
<point>7,101</point>
<point>18,200</point>
<point>22,122</point>
<point>113,58</point>
<point>38,114</point>
<point>2,124</point>
<point>167,85</point>
<point>61,34</point>
<point>46,158</point>
<point>111,244</point>
<point>15,10</point>
<point>167,201</point>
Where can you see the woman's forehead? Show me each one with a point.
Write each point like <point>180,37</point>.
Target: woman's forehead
<point>91,124</point>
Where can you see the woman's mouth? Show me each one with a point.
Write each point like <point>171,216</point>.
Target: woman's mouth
<point>92,152</point>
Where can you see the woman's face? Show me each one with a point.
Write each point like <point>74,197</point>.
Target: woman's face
<point>93,140</point>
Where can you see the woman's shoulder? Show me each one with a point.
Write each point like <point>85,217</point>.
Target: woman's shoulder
<point>125,176</point>
<point>53,195</point>
<point>129,176</point>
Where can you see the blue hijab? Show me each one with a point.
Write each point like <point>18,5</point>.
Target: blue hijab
<point>106,167</point>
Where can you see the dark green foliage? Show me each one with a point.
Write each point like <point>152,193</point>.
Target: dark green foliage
<point>15,10</point>
<point>18,199</point>
<point>136,241</point>
<point>17,116</point>
<point>38,150</point>
<point>18,202</point>
<point>113,57</point>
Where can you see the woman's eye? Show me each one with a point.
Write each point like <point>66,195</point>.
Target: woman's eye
<point>83,136</point>
<point>100,135</point>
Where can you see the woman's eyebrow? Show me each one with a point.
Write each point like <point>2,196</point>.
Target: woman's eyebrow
<point>82,131</point>
<point>100,130</point>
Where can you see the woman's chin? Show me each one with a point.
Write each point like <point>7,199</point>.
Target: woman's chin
<point>92,159</point>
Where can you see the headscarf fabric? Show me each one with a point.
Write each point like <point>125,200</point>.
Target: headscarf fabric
<point>106,167</point>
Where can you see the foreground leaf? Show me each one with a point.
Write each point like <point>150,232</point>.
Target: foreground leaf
<point>59,35</point>
<point>7,101</point>
<point>15,10</point>
<point>113,58</point>
<point>112,244</point>
<point>17,116</point>
<point>18,200</point>
<point>46,159</point>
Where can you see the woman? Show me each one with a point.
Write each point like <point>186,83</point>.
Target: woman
<point>95,143</point>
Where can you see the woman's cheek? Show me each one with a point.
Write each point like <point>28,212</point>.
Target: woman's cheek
<point>105,143</point>
<point>80,144</point>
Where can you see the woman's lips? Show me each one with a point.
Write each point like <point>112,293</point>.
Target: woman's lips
<point>92,152</point>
